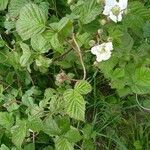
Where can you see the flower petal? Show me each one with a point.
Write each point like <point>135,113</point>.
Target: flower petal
<point>110,3</point>
<point>109,46</point>
<point>95,49</point>
<point>113,17</point>
<point>119,18</point>
<point>123,4</point>
<point>107,10</point>
<point>107,56</point>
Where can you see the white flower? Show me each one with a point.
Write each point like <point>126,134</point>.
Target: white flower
<point>103,51</point>
<point>114,10</point>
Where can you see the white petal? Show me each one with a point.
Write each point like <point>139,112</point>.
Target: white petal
<point>99,58</point>
<point>107,56</point>
<point>123,4</point>
<point>95,49</point>
<point>120,16</point>
<point>110,3</point>
<point>107,10</point>
<point>109,46</point>
<point>113,17</point>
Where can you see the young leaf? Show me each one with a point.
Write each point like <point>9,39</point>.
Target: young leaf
<point>75,104</point>
<point>83,87</point>
<point>31,21</point>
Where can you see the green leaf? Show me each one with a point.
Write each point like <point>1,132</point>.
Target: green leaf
<point>63,144</point>
<point>75,104</point>
<point>146,29</point>
<point>88,145</point>
<point>30,146</point>
<point>24,59</point>
<point>6,120</point>
<point>83,87</point>
<point>50,127</point>
<point>146,103</point>
<point>118,73</point>
<point>19,133</point>
<point>56,44</point>
<point>87,11</point>
<point>3,4</point>
<point>35,124</point>
<point>40,44</point>
<point>15,6</point>
<point>140,89</point>
<point>31,21</point>
<point>63,27</point>
<point>4,147</point>
<point>142,76</point>
<point>73,135</point>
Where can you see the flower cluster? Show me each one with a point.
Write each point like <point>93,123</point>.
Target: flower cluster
<point>114,10</point>
<point>103,51</point>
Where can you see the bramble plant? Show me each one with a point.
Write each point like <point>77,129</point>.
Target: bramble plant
<point>71,68</point>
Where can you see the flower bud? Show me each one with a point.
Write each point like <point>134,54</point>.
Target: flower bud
<point>103,22</point>
<point>100,1</point>
<point>61,77</point>
<point>92,43</point>
<point>109,39</point>
<point>100,31</point>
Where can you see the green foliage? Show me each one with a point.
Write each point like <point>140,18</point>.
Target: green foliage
<point>53,95</point>
<point>31,21</point>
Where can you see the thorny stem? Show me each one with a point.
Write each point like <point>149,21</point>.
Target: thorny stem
<point>80,55</point>
<point>147,109</point>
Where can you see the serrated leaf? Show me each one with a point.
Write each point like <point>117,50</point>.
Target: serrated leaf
<point>118,73</point>
<point>146,29</point>
<point>30,146</point>
<point>3,4</point>
<point>31,21</point>
<point>73,135</point>
<point>142,76</point>
<point>87,11</point>
<point>56,44</point>
<point>4,147</point>
<point>39,44</point>
<point>63,144</point>
<point>24,59</point>
<point>35,124</point>
<point>75,104</point>
<point>15,6</point>
<point>140,89</point>
<point>83,87</point>
<point>50,127</point>
<point>6,120</point>
<point>19,133</point>
<point>146,103</point>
